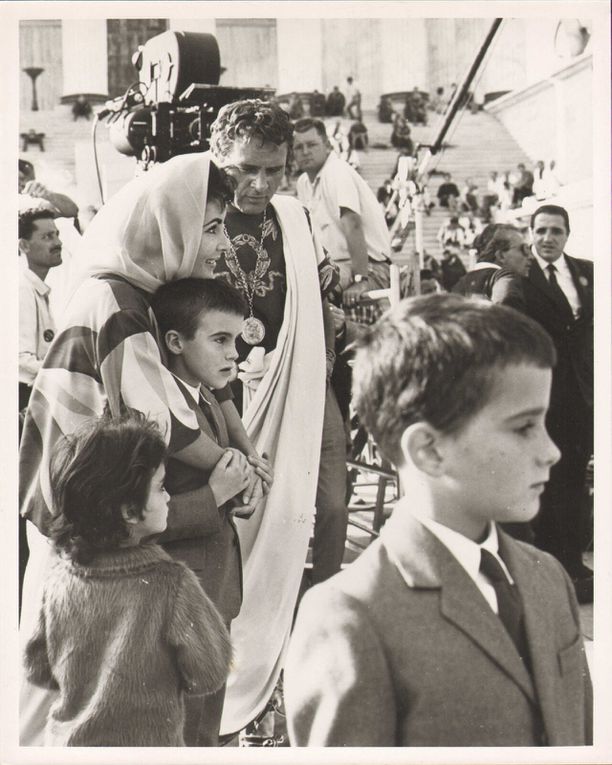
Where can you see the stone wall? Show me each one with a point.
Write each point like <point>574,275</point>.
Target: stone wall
<point>552,119</point>
<point>40,44</point>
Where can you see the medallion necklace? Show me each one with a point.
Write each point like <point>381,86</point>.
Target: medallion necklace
<point>253,330</point>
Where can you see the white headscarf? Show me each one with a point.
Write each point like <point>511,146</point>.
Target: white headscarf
<point>151,230</point>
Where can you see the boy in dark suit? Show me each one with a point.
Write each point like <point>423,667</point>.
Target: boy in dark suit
<point>446,631</point>
<point>199,320</point>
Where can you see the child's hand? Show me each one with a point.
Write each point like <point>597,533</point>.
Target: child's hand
<point>263,468</point>
<point>229,477</point>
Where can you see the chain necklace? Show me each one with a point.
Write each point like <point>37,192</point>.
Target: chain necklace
<point>253,330</point>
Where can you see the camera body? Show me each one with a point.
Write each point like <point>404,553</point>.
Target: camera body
<point>170,109</point>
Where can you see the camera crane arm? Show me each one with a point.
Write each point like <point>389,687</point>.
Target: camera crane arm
<point>413,192</point>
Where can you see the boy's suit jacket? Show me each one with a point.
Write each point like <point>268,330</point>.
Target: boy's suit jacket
<point>199,533</point>
<point>402,649</point>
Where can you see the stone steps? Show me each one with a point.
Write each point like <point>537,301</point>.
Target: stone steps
<point>475,145</point>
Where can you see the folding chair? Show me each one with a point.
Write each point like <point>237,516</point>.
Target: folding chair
<point>365,459</point>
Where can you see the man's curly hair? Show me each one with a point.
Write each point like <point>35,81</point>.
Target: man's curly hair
<point>245,119</point>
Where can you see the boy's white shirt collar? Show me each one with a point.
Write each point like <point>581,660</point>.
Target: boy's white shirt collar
<point>467,553</point>
<point>194,390</point>
<point>464,549</point>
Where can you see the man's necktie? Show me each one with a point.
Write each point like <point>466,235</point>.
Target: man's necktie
<point>559,294</point>
<point>509,604</point>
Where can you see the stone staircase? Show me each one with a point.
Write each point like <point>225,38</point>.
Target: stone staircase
<point>475,145</point>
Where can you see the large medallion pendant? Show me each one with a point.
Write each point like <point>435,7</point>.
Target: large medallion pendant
<point>253,331</point>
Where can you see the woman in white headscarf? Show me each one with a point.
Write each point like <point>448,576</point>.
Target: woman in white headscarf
<point>164,225</point>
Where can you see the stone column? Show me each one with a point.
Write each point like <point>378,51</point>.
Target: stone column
<point>300,54</point>
<point>403,53</point>
<point>193,25</point>
<point>84,56</point>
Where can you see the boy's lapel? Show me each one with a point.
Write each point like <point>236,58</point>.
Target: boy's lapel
<point>539,625</point>
<point>462,603</point>
<point>424,562</point>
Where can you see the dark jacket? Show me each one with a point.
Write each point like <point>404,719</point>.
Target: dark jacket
<point>199,533</point>
<point>573,338</point>
<point>496,284</point>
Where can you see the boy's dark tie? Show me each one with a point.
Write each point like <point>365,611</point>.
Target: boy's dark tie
<point>509,604</point>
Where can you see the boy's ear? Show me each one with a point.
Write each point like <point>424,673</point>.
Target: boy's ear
<point>174,342</point>
<point>420,444</point>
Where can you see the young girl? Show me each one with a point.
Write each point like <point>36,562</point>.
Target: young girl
<point>123,630</point>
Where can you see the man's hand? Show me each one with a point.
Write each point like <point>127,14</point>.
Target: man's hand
<point>65,206</point>
<point>36,189</point>
<point>339,318</point>
<point>352,295</point>
<point>257,494</point>
<point>264,470</point>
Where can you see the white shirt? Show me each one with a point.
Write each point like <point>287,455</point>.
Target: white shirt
<point>351,91</point>
<point>337,185</point>
<point>194,390</point>
<point>467,554</point>
<point>564,280</point>
<point>36,325</point>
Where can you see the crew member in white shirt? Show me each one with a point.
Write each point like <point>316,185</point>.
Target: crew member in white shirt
<point>345,212</point>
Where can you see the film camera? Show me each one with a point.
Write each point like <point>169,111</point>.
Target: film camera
<point>170,109</point>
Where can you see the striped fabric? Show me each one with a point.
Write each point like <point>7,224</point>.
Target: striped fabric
<point>105,353</point>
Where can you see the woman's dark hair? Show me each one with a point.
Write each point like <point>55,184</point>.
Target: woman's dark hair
<point>97,472</point>
<point>220,185</point>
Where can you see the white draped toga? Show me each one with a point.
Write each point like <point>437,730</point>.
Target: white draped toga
<point>285,420</point>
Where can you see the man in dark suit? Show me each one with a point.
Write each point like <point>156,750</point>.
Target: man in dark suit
<point>559,295</point>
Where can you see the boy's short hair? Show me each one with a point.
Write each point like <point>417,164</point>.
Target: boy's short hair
<point>434,359</point>
<point>178,304</point>
<point>105,466</point>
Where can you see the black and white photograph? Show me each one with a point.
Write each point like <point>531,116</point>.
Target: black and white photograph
<point>380,530</point>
